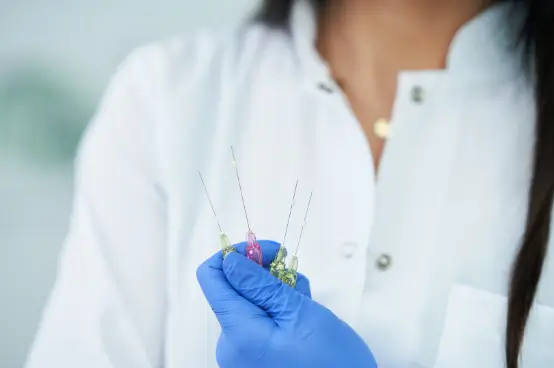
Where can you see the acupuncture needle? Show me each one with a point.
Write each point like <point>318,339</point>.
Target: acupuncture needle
<point>278,265</point>
<point>291,274</point>
<point>226,245</point>
<point>253,249</point>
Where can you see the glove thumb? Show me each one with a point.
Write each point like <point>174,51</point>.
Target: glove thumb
<point>258,286</point>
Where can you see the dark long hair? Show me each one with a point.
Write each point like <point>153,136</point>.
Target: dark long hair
<point>535,36</point>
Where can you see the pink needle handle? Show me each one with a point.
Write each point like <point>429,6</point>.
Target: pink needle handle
<point>253,249</point>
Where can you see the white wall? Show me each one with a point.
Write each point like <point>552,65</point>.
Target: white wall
<point>90,37</point>
<point>82,41</point>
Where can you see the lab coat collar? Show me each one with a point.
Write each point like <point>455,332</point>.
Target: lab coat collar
<point>480,49</point>
<point>304,33</point>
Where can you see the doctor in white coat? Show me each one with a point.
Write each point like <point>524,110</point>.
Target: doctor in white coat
<point>426,129</point>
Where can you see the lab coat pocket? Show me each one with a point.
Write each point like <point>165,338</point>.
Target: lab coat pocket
<point>474,330</point>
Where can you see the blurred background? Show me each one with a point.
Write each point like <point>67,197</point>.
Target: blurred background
<point>56,57</point>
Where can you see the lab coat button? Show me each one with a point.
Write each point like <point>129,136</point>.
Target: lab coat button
<point>417,94</point>
<point>348,249</point>
<point>383,262</point>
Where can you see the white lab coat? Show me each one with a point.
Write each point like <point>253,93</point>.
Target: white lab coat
<point>448,210</point>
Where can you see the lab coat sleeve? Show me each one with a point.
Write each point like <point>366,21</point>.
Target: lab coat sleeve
<point>107,306</point>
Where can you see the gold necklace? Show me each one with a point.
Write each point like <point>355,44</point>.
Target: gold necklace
<point>381,128</point>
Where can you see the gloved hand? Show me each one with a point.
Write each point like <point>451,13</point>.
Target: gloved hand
<point>266,323</point>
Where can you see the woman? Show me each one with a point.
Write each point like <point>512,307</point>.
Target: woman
<point>441,262</point>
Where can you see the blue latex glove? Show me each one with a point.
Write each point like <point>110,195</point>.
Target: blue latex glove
<point>266,323</point>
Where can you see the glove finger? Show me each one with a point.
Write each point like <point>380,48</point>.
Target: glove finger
<point>258,286</point>
<point>269,252</point>
<point>212,282</point>
<point>303,286</point>
<point>230,308</point>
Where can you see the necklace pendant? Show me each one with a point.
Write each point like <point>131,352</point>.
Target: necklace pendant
<point>381,128</point>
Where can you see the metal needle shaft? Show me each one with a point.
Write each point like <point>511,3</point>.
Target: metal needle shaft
<point>240,188</point>
<point>210,200</point>
<point>303,225</point>
<point>290,213</point>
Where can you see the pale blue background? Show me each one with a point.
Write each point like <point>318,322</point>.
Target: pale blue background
<point>55,59</point>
